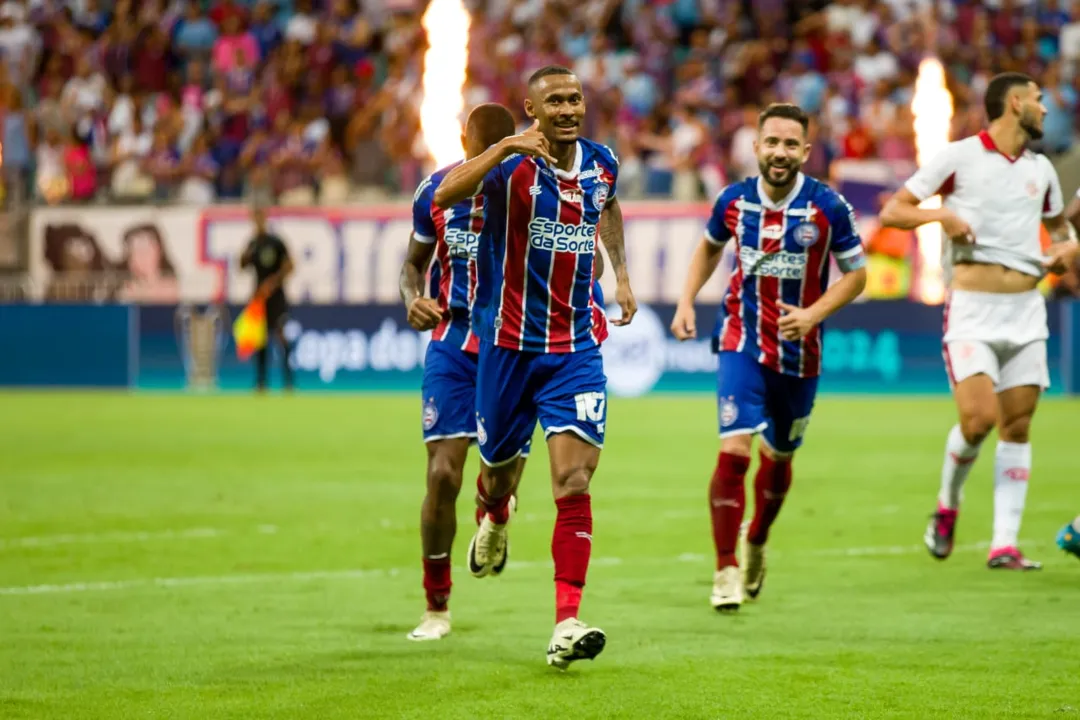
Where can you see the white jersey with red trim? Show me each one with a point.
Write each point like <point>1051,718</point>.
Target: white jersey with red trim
<point>1002,198</point>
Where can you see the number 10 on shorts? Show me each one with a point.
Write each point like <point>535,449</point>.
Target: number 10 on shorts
<point>590,406</point>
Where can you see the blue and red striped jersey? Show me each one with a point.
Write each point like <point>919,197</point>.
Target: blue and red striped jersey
<point>456,234</point>
<point>781,254</point>
<point>536,259</point>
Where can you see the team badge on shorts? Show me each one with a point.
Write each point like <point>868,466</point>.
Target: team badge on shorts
<point>600,195</point>
<point>481,433</point>
<point>729,412</point>
<point>806,234</point>
<point>431,414</point>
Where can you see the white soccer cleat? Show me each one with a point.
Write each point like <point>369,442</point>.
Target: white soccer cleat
<point>727,591</point>
<point>433,626</point>
<point>753,564</point>
<point>574,640</point>
<point>487,550</point>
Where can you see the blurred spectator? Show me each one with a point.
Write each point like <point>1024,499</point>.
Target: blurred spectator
<point>301,101</point>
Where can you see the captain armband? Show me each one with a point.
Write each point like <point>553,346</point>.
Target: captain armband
<point>851,260</point>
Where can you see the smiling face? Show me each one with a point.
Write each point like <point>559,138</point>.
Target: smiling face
<point>781,150</point>
<point>558,103</point>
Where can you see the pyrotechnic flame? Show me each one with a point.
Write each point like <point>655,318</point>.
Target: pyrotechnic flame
<point>447,25</point>
<point>932,106</point>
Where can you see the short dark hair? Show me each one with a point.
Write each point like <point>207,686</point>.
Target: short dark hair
<point>785,111</point>
<point>489,123</point>
<point>547,71</point>
<point>999,88</point>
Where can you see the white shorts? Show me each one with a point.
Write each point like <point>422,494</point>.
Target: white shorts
<point>1000,335</point>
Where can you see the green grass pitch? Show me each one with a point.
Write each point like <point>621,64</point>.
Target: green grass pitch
<point>258,557</point>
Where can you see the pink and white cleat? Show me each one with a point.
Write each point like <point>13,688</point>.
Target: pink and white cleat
<point>1010,558</point>
<point>940,532</point>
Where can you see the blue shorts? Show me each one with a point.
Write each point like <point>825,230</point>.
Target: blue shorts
<point>753,399</point>
<point>449,392</point>
<point>566,392</point>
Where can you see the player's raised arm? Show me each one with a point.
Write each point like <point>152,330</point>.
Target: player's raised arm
<point>611,234</point>
<point>466,180</point>
<point>846,248</point>
<point>702,266</point>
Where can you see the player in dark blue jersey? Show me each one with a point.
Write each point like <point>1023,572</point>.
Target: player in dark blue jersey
<point>785,226</point>
<point>451,236</point>
<point>548,194</point>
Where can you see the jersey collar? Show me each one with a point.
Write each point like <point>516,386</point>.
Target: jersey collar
<point>575,168</point>
<point>768,204</point>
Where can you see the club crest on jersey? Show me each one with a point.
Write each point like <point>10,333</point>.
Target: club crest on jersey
<point>1032,189</point>
<point>806,234</point>
<point>729,412</point>
<point>600,195</point>
<point>431,414</point>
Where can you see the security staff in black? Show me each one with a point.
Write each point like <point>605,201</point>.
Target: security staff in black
<point>268,255</point>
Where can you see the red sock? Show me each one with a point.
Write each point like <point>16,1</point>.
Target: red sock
<point>498,508</point>
<point>437,583</point>
<point>770,487</point>
<point>571,545</point>
<point>727,498</point>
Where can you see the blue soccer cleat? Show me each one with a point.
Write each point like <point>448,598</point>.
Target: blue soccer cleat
<point>1069,540</point>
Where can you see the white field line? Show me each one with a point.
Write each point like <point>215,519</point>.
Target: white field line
<point>120,537</point>
<point>357,574</point>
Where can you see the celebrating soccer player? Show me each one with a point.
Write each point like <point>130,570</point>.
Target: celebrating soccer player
<point>785,226</point>
<point>995,195</point>
<point>449,386</point>
<point>547,194</point>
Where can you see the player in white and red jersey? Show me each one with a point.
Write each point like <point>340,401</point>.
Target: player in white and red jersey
<point>785,227</point>
<point>548,195</point>
<point>995,194</point>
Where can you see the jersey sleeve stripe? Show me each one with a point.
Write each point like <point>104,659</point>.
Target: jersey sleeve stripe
<point>425,239</point>
<point>857,250</point>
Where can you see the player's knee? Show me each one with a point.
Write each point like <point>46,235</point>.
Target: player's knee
<point>572,481</point>
<point>976,426</point>
<point>1015,430</point>
<point>737,445</point>
<point>444,479</point>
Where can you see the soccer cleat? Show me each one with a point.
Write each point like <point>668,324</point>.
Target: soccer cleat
<point>488,549</point>
<point>1010,558</point>
<point>433,626</point>
<point>940,532</point>
<point>1069,540</point>
<point>574,640</point>
<point>753,564</point>
<point>727,591</point>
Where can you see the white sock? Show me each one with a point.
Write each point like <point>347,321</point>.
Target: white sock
<point>959,458</point>
<point>1012,466</point>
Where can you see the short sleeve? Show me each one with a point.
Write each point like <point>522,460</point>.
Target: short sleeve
<point>1053,202</point>
<point>423,226</point>
<point>716,230</point>
<point>935,177</point>
<point>494,183</point>
<point>611,164</point>
<point>846,245</point>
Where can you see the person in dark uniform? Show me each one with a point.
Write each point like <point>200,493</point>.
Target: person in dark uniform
<point>268,255</point>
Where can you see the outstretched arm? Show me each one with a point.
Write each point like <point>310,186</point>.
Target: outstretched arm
<point>702,266</point>
<point>611,234</point>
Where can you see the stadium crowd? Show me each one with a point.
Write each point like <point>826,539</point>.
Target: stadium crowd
<point>307,100</point>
